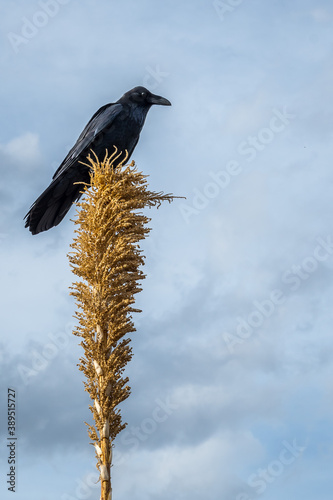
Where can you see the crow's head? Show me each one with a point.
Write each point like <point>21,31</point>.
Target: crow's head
<point>142,97</point>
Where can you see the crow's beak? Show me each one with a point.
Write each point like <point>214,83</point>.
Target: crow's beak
<point>157,99</point>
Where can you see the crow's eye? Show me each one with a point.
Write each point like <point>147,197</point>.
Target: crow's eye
<point>139,96</point>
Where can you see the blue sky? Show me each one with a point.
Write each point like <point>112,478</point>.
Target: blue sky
<point>231,375</point>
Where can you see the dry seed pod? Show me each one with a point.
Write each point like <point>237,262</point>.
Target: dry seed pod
<point>107,260</point>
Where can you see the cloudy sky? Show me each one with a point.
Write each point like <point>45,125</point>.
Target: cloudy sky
<point>232,392</point>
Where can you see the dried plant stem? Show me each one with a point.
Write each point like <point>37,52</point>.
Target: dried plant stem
<point>106,445</point>
<point>107,259</point>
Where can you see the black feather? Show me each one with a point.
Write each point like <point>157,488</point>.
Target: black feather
<point>114,125</point>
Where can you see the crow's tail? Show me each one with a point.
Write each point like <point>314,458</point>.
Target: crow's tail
<point>53,204</point>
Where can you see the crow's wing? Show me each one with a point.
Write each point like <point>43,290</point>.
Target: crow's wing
<point>103,117</point>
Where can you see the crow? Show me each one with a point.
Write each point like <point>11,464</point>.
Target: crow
<point>117,125</point>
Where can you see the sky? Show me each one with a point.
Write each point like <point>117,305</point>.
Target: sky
<point>232,392</point>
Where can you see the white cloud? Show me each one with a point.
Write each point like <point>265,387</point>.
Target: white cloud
<point>23,150</point>
<point>203,469</point>
<point>321,15</point>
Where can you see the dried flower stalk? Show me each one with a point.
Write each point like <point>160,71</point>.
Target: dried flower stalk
<point>107,259</point>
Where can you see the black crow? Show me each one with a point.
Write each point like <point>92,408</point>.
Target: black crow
<point>116,124</point>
